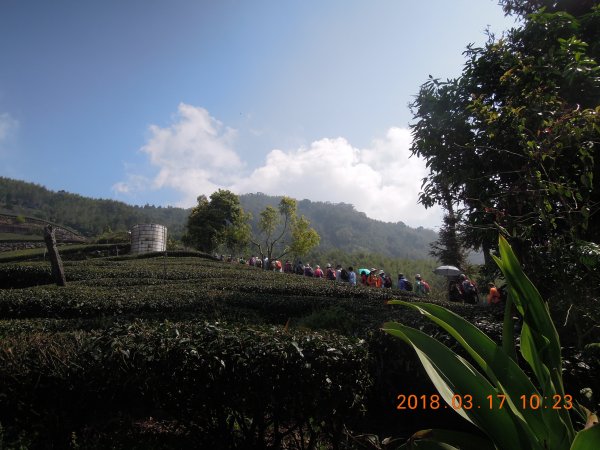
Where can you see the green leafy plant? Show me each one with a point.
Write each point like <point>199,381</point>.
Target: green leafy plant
<point>332,318</point>
<point>513,410</point>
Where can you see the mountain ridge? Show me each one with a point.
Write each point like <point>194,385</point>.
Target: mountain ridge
<point>339,224</point>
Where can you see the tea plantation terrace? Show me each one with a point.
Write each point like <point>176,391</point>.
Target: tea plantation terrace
<point>190,352</point>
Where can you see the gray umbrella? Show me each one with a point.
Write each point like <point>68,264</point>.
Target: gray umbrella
<point>447,271</point>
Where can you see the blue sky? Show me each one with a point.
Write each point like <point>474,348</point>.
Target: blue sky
<point>157,102</point>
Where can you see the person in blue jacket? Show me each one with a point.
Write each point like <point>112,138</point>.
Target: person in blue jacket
<point>402,282</point>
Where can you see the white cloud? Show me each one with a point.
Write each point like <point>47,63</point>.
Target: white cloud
<point>196,155</point>
<point>381,181</point>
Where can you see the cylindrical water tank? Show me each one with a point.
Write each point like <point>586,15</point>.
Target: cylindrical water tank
<point>149,237</point>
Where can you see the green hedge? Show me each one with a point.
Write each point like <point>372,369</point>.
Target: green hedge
<point>24,275</point>
<point>67,252</point>
<point>207,289</point>
<point>233,385</point>
<point>101,348</point>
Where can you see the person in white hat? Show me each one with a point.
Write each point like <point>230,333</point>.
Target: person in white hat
<point>318,272</point>
<point>419,288</point>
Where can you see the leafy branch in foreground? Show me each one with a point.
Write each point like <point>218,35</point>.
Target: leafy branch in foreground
<point>514,425</point>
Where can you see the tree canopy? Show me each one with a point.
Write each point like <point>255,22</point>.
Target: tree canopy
<point>218,221</point>
<point>281,232</point>
<point>513,141</point>
<point>341,226</point>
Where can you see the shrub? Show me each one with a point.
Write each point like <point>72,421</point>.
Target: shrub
<point>243,384</point>
<point>332,318</point>
<point>512,410</point>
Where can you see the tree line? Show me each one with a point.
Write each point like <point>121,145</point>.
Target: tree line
<point>220,221</point>
<point>512,148</point>
<point>339,226</point>
<point>91,217</point>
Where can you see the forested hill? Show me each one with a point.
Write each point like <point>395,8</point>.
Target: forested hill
<point>339,225</point>
<point>87,215</point>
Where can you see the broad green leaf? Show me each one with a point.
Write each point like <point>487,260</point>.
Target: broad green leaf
<point>505,374</point>
<point>436,439</point>
<point>540,344</point>
<point>428,445</point>
<point>508,330</point>
<point>529,303</point>
<point>451,375</point>
<point>536,344</point>
<point>588,439</point>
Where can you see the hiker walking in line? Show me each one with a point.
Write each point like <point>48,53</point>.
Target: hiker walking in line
<point>387,281</point>
<point>454,291</point>
<point>288,268</point>
<point>318,272</point>
<point>363,278</point>
<point>374,279</point>
<point>330,272</point>
<point>468,289</point>
<point>403,283</point>
<point>419,288</point>
<point>493,297</point>
<point>344,275</point>
<point>308,271</point>
<point>351,276</point>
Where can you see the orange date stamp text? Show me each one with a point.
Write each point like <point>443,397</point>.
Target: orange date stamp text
<point>496,401</point>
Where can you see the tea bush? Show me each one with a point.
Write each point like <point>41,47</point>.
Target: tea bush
<point>190,352</point>
<point>334,318</point>
<point>238,384</point>
<point>74,252</point>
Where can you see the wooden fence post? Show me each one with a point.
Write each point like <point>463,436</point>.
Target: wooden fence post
<point>57,268</point>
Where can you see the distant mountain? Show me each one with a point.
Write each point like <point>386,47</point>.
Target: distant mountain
<point>339,225</point>
<point>88,216</point>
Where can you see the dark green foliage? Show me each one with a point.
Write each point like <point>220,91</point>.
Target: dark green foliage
<point>88,216</point>
<point>513,143</point>
<point>334,318</point>
<point>448,248</point>
<point>75,252</point>
<point>217,222</point>
<point>135,286</point>
<point>519,130</point>
<point>224,383</point>
<point>112,237</point>
<point>18,276</point>
<point>280,232</point>
<point>524,7</point>
<point>110,357</point>
<point>102,348</point>
<point>340,226</point>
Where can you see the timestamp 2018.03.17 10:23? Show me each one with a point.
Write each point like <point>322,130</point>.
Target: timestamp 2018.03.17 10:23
<point>496,401</point>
